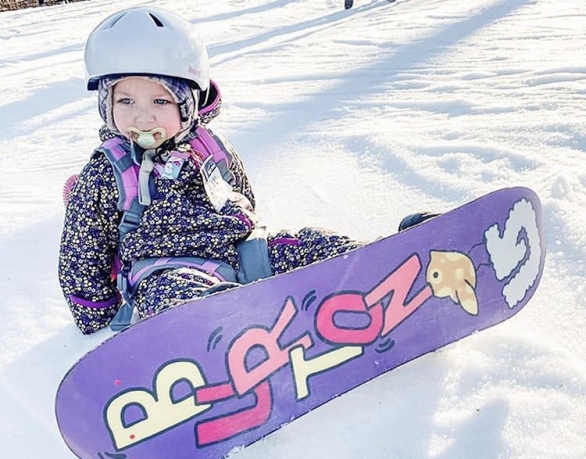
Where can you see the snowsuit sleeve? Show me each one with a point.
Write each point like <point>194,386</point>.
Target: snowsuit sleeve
<point>88,247</point>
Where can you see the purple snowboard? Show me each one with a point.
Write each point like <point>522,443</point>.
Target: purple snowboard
<point>219,373</point>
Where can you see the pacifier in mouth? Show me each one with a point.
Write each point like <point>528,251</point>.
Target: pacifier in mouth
<point>147,139</point>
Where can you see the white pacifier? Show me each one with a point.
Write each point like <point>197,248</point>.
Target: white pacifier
<point>147,139</point>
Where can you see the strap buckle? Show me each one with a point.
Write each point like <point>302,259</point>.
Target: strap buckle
<point>129,222</point>
<point>123,317</point>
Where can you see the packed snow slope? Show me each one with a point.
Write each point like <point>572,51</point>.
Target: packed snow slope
<point>347,120</point>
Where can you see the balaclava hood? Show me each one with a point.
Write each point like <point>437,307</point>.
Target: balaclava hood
<point>182,93</point>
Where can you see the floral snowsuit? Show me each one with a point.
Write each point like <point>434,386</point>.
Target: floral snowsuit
<point>180,222</point>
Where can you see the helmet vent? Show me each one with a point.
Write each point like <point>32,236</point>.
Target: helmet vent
<point>156,20</point>
<point>115,21</point>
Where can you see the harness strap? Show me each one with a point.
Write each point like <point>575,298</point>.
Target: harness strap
<point>207,144</point>
<point>144,268</point>
<point>130,219</point>
<point>126,173</point>
<point>128,280</point>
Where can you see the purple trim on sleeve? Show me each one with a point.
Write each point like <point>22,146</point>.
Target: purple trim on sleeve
<point>95,304</point>
<point>285,241</point>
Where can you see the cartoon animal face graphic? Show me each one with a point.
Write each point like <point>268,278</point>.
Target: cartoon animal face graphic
<point>452,274</point>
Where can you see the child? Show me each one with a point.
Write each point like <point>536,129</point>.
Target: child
<point>163,212</point>
<point>151,72</point>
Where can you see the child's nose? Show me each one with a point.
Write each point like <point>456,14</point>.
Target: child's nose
<point>145,115</point>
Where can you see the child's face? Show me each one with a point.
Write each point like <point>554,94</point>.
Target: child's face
<point>145,105</point>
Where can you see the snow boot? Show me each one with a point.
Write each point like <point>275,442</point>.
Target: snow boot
<point>415,219</point>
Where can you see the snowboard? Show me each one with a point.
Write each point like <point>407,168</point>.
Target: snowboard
<point>219,373</point>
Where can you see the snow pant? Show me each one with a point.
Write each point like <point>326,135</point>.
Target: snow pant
<point>286,251</point>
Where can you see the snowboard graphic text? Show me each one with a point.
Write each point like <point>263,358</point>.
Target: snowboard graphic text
<point>344,324</point>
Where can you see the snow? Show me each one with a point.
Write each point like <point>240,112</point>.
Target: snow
<point>347,120</point>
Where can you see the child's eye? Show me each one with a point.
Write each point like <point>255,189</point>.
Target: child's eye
<point>124,101</point>
<point>162,101</point>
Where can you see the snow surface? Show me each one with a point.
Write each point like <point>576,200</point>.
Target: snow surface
<point>347,120</point>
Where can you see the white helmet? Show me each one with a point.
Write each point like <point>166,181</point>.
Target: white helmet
<point>146,40</point>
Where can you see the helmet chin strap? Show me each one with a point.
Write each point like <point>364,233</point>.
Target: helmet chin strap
<point>147,139</point>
